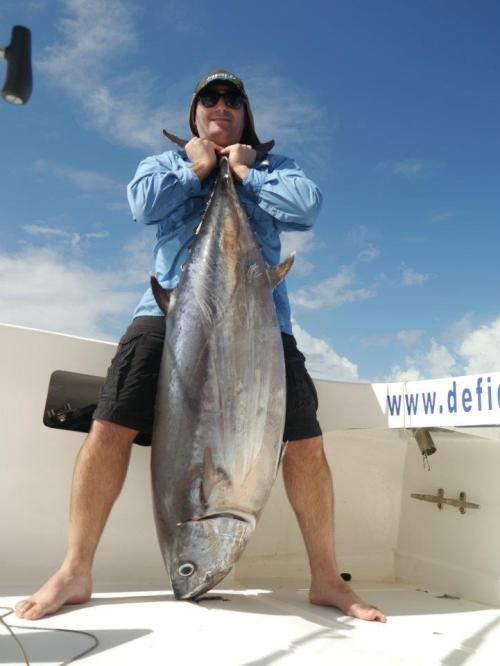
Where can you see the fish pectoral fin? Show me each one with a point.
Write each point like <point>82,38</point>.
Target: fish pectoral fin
<point>212,477</point>
<point>278,273</point>
<point>263,148</point>
<point>174,139</point>
<point>162,296</point>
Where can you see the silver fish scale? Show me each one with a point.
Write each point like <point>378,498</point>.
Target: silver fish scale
<point>221,398</point>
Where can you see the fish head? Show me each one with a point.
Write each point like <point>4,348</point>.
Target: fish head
<point>204,552</point>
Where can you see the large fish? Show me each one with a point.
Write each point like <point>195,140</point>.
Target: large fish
<point>221,398</point>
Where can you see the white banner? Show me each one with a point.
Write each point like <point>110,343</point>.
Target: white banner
<point>453,401</point>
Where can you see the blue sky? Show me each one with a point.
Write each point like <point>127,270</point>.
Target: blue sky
<point>391,107</point>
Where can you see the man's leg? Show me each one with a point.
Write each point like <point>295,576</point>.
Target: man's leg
<point>99,474</point>
<point>308,483</point>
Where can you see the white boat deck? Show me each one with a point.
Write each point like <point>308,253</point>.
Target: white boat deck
<point>383,534</point>
<point>259,626</point>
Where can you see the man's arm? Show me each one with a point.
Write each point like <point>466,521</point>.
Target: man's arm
<point>203,156</point>
<point>164,183</point>
<point>280,187</point>
<point>241,158</point>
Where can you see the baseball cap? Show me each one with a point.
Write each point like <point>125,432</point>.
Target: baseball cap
<point>224,76</point>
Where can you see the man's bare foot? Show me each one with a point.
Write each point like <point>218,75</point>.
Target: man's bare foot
<point>341,595</point>
<point>63,587</point>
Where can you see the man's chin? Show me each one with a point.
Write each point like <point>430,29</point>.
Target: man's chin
<point>222,137</point>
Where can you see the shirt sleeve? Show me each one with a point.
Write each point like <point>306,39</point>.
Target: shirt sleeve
<point>161,185</point>
<point>281,188</point>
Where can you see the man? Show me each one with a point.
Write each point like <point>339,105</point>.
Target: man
<point>170,190</point>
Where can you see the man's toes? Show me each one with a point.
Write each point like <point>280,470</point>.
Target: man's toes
<point>376,615</point>
<point>33,613</point>
<point>23,606</point>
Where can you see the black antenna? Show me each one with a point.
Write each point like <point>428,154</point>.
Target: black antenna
<point>19,80</point>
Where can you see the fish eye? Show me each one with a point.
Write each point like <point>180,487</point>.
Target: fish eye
<point>186,569</point>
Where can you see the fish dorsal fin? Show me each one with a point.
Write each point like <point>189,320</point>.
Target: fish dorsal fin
<point>278,273</point>
<point>212,476</point>
<point>162,296</point>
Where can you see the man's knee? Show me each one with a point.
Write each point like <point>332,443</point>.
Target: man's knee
<point>111,434</point>
<point>302,449</point>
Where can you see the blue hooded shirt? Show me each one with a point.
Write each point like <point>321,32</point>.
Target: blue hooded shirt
<point>275,194</point>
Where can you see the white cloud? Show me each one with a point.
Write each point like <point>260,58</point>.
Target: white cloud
<point>408,168</point>
<point>409,337</point>
<point>69,296</point>
<point>441,216</point>
<point>287,112</point>
<point>97,234</point>
<point>137,257</point>
<point>31,6</point>
<point>437,361</point>
<point>86,181</point>
<point>368,253</point>
<point>94,36</point>
<point>90,181</point>
<point>458,330</point>
<point>301,242</point>
<point>185,18</point>
<point>469,349</point>
<point>409,374</point>
<point>332,292</point>
<point>410,277</point>
<point>480,349</point>
<point>40,230</point>
<point>71,237</point>
<point>61,295</point>
<point>118,206</point>
<point>440,361</point>
<point>322,360</point>
<point>405,337</point>
<point>357,237</point>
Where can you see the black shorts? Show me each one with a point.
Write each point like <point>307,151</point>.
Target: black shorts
<point>128,395</point>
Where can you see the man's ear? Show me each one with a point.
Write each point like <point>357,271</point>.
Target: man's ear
<point>245,126</point>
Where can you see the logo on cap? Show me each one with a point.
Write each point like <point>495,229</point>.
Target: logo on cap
<point>222,75</point>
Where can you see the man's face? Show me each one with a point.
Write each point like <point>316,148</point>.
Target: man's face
<point>220,123</point>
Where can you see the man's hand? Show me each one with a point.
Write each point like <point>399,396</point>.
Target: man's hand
<point>240,157</point>
<point>203,155</point>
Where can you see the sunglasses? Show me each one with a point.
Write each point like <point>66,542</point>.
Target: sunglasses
<point>233,100</point>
